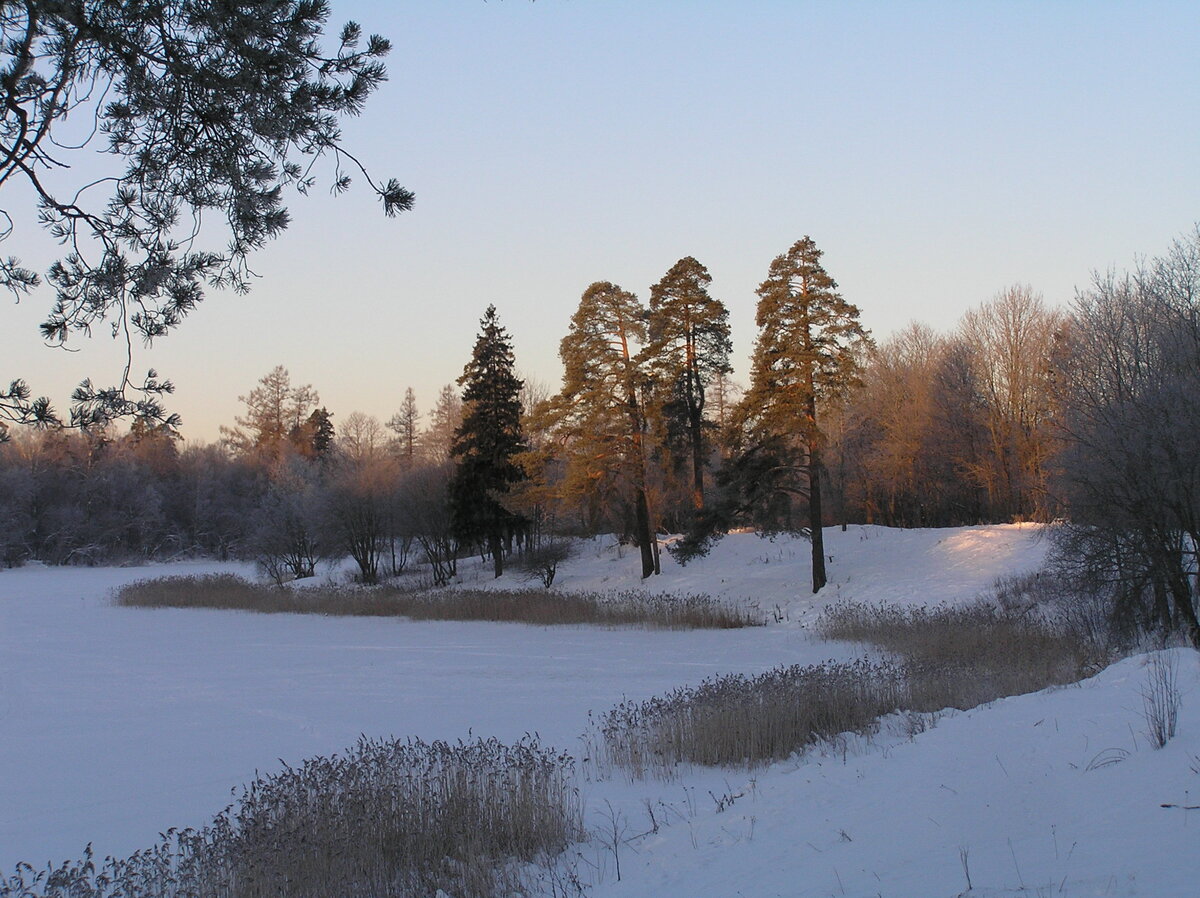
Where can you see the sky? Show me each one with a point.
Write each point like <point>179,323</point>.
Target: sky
<point>936,152</point>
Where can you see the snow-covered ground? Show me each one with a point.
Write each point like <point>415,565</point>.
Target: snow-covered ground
<point>865,563</point>
<point>117,723</point>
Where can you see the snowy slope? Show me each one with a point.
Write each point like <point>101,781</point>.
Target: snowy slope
<point>864,563</point>
<point>1022,787</point>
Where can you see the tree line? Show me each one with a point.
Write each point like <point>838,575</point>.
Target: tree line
<point>1023,411</point>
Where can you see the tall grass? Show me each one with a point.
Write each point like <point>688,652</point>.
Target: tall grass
<point>531,606</point>
<point>946,657</point>
<point>750,720</point>
<point>963,656</point>
<point>387,818</point>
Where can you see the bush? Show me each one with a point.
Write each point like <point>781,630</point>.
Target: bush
<point>531,606</point>
<point>541,562</point>
<point>1161,699</point>
<point>388,818</point>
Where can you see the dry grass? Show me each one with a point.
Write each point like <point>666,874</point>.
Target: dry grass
<point>960,657</point>
<point>388,818</point>
<point>530,606</point>
<point>956,657</point>
<point>735,719</point>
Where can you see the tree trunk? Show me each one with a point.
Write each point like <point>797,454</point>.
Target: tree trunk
<point>643,533</point>
<point>814,519</point>
<point>696,437</point>
<point>1185,612</point>
<point>496,547</point>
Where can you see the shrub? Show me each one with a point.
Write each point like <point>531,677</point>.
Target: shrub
<point>1161,699</point>
<point>531,606</point>
<point>387,818</point>
<point>541,562</point>
<point>1083,607</point>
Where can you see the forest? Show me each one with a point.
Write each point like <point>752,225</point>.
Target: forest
<point>1084,416</point>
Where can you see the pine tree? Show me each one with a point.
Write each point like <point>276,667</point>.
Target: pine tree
<point>486,442</point>
<point>600,409</point>
<point>688,349</point>
<point>211,112</point>
<point>806,356</point>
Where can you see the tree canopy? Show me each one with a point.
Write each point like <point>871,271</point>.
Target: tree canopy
<point>206,109</point>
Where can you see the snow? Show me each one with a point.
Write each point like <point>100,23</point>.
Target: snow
<point>865,563</point>
<point>117,723</point>
<point>1019,786</point>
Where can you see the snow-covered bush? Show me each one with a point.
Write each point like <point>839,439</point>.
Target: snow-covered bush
<point>1161,698</point>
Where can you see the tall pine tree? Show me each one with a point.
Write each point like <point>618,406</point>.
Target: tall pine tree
<point>485,443</point>
<point>805,356</point>
<point>688,349</point>
<point>599,410</point>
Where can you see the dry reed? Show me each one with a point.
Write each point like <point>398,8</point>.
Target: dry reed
<point>530,606</point>
<point>387,818</point>
<point>947,657</point>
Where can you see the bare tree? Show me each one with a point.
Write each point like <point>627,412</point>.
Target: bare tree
<point>1128,377</point>
<point>290,535</point>
<point>1011,339</point>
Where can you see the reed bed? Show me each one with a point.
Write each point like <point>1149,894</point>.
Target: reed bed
<point>746,720</point>
<point>387,818</point>
<point>964,656</point>
<point>940,658</point>
<point>530,606</point>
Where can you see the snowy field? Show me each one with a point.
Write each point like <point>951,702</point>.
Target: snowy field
<point>116,723</point>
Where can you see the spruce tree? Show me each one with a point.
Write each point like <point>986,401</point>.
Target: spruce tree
<point>805,356</point>
<point>486,442</point>
<point>321,434</point>
<point>688,349</point>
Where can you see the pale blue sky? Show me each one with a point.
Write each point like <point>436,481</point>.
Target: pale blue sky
<point>937,153</point>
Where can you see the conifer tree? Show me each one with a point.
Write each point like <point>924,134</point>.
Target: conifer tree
<point>321,434</point>
<point>688,349</point>
<point>600,409</point>
<point>805,357</point>
<point>486,442</point>
<point>404,424</point>
<point>276,417</point>
<point>444,420</point>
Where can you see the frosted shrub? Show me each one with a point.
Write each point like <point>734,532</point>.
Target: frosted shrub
<point>1161,699</point>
